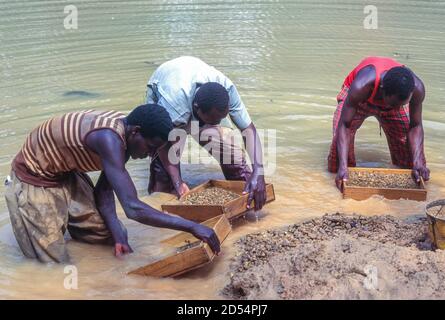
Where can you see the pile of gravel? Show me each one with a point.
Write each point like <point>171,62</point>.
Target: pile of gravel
<point>256,248</point>
<point>331,258</point>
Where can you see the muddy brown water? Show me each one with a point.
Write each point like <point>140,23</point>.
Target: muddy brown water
<point>288,59</point>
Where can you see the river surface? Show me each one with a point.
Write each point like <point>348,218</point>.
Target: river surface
<point>288,60</point>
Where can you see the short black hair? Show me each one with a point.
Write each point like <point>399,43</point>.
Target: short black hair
<point>153,119</point>
<point>212,95</point>
<point>398,81</point>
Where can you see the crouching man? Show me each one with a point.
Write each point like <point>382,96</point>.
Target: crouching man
<point>50,192</point>
<point>194,92</point>
<point>386,89</point>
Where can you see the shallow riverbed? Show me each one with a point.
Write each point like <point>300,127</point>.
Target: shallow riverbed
<point>288,59</point>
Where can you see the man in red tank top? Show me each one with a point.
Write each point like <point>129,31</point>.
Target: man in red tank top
<point>383,88</point>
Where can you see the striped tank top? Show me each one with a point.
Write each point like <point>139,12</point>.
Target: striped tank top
<point>57,147</point>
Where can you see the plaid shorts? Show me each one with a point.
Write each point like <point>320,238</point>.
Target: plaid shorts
<point>394,122</point>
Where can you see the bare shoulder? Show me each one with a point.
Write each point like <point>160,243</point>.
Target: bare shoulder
<point>103,140</point>
<point>419,88</point>
<point>366,76</point>
<point>418,83</point>
<point>363,84</point>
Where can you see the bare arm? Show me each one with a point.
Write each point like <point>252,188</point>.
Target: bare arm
<point>343,140</point>
<point>104,197</point>
<point>359,91</point>
<point>173,168</point>
<point>415,134</point>
<point>255,185</point>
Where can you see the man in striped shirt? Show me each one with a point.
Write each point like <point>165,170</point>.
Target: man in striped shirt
<point>50,191</point>
<point>195,93</point>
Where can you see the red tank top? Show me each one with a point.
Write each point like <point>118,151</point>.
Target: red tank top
<point>381,64</point>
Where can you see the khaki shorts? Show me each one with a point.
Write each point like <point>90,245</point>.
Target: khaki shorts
<point>40,216</point>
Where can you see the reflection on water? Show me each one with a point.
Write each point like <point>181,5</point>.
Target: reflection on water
<point>288,60</point>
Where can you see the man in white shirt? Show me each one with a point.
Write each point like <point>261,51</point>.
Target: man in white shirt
<point>191,90</point>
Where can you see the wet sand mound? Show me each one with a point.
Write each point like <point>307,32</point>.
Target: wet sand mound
<point>339,257</point>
